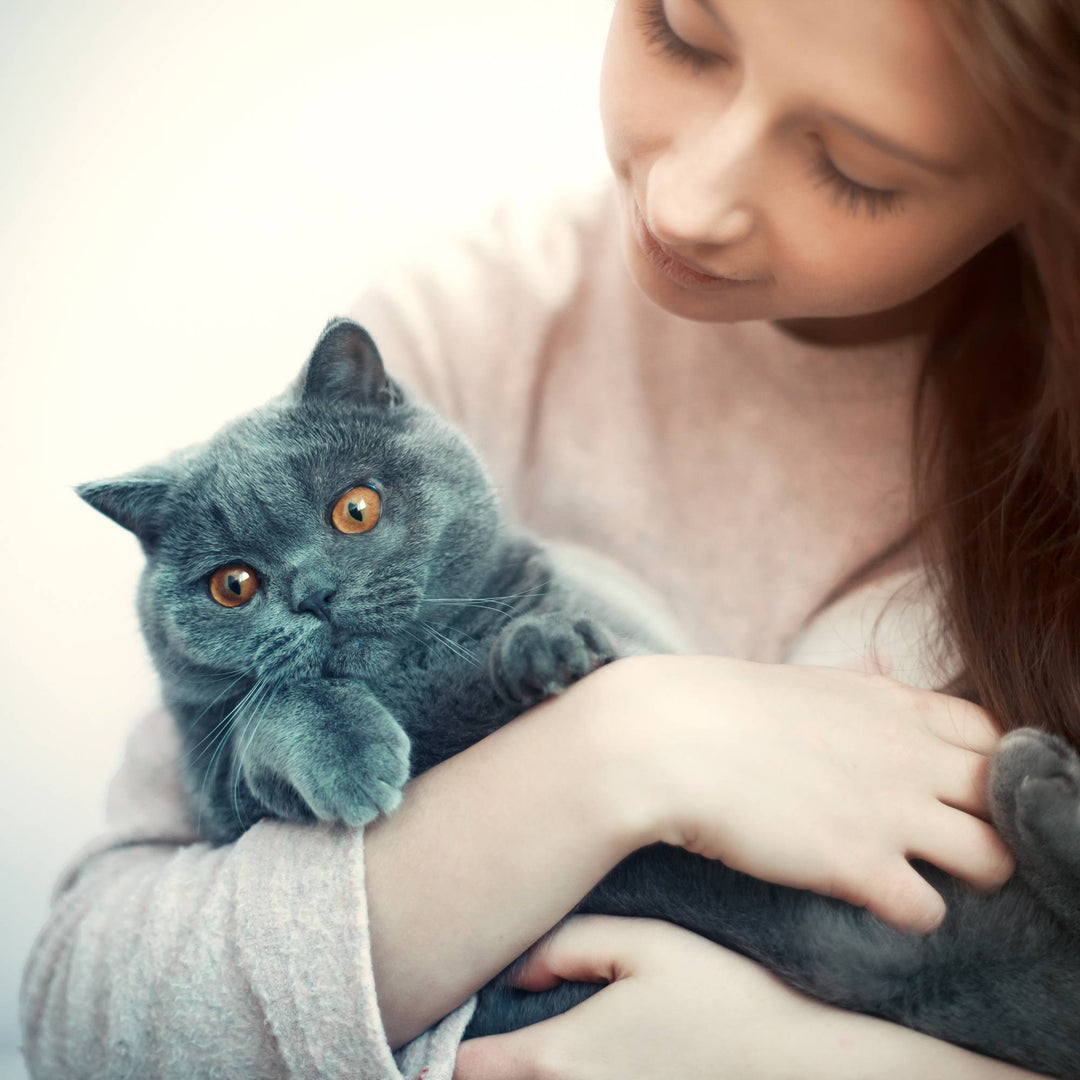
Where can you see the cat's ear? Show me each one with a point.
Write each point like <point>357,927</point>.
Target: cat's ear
<point>135,501</point>
<point>347,366</point>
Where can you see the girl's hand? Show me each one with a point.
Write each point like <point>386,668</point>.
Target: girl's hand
<point>677,1005</point>
<point>810,777</point>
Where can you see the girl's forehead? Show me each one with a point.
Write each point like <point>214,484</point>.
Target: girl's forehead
<point>885,65</point>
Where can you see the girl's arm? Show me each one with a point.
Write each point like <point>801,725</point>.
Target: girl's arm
<point>164,955</point>
<point>842,772</point>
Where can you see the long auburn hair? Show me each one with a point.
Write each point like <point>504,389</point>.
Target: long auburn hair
<point>997,422</point>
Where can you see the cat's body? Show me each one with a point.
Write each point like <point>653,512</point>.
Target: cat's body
<point>334,666</point>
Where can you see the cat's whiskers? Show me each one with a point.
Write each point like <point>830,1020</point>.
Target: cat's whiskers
<point>506,610</point>
<point>428,645</point>
<point>459,630</point>
<point>225,675</point>
<point>483,600</point>
<point>504,596</point>
<point>263,707</point>
<point>221,723</point>
<point>229,724</point>
<point>209,707</point>
<point>453,646</point>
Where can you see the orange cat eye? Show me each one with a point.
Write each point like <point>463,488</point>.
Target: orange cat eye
<point>357,511</point>
<point>234,585</point>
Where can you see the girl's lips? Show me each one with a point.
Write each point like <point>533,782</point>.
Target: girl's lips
<point>673,268</point>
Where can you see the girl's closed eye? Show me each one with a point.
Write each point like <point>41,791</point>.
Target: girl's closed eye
<point>847,193</point>
<point>654,22</point>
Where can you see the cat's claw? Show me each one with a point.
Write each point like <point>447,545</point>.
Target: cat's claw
<point>537,656</point>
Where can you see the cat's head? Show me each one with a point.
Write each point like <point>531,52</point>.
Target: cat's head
<point>302,538</point>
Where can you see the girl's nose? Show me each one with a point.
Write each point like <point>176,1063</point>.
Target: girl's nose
<point>724,228</point>
<point>700,191</point>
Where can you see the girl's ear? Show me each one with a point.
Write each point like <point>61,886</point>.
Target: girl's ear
<point>346,366</point>
<point>135,501</point>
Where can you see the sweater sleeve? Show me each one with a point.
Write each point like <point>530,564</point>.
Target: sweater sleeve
<point>166,957</point>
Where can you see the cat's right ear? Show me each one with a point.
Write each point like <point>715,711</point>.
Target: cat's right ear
<point>346,366</point>
<point>135,501</point>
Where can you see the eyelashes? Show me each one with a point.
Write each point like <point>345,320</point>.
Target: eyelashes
<point>853,197</point>
<point>856,196</point>
<point>660,33</point>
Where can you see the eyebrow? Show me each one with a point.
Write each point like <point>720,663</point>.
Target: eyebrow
<point>873,138</point>
<point>887,145</point>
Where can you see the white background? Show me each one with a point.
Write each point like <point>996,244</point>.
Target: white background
<point>187,192</point>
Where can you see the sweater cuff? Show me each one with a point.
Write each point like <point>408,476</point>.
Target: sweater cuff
<point>302,926</point>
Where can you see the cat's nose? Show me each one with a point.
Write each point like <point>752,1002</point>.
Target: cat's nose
<point>318,603</point>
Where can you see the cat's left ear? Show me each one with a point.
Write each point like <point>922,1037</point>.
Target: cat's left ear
<point>347,366</point>
<point>135,501</point>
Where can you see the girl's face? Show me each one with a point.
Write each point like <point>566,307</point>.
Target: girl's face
<point>830,156</point>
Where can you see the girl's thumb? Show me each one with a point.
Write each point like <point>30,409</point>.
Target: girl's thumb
<point>497,1057</point>
<point>585,948</point>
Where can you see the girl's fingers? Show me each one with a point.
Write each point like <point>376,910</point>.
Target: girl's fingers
<point>905,899</point>
<point>961,779</point>
<point>961,723</point>
<point>965,847</point>
<point>585,948</point>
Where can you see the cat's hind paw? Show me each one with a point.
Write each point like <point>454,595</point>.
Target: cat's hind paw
<point>537,656</point>
<point>1035,804</point>
<point>1035,786</point>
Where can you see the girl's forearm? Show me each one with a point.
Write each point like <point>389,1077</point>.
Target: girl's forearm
<point>858,1047</point>
<point>486,853</point>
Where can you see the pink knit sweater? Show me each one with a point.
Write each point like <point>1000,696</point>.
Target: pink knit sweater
<point>742,473</point>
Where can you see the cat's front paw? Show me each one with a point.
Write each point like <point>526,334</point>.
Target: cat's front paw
<point>354,781</point>
<point>537,656</point>
<point>341,752</point>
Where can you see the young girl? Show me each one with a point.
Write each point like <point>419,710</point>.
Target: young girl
<point>829,219</point>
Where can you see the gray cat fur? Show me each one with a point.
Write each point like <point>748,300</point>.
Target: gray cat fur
<point>298,715</point>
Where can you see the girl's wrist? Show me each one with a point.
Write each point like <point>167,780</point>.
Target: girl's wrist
<point>620,745</point>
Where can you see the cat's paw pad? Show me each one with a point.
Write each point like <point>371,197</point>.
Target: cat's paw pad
<point>537,656</point>
<point>1035,789</point>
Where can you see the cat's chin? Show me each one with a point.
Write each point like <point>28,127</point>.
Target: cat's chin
<point>360,658</point>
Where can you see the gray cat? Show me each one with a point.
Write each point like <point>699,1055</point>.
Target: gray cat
<point>334,604</point>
